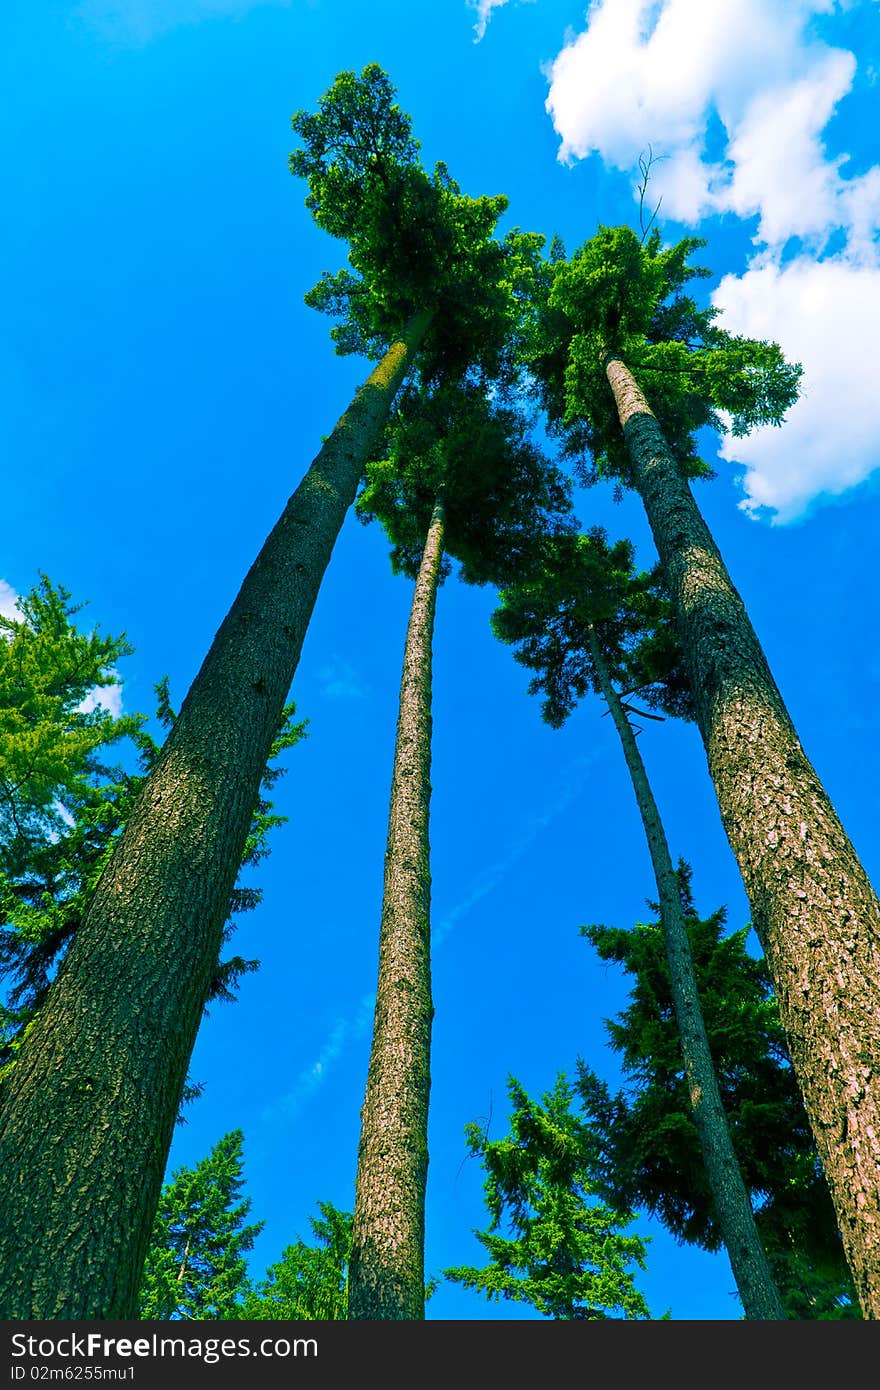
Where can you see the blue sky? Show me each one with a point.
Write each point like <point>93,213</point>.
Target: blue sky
<point>164,388</point>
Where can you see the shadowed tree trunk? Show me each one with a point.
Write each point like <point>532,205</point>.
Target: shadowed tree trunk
<point>387,1269</point>
<point>754,1280</point>
<point>88,1111</point>
<point>815,912</point>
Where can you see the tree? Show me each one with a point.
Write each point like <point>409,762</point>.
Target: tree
<point>460,477</point>
<point>565,1253</point>
<point>54,724</point>
<point>196,1266</point>
<point>620,301</point>
<point>48,876</point>
<point>100,1073</point>
<point>61,801</point>
<point>647,1147</point>
<point>588,619</point>
<point>309,1281</point>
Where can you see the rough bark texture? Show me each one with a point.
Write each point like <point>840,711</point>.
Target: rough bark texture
<point>754,1280</point>
<point>815,912</point>
<point>386,1276</point>
<point>88,1112</point>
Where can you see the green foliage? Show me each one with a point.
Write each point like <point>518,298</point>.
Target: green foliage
<point>196,1265</point>
<point>618,296</point>
<point>64,805</point>
<point>52,734</point>
<point>415,241</point>
<point>309,1281</point>
<point>498,490</point>
<point>582,584</point>
<point>647,1151</point>
<point>62,802</point>
<point>565,1253</point>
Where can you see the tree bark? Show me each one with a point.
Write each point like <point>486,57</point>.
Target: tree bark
<point>386,1276</point>
<point>815,912</point>
<point>754,1280</point>
<point>88,1111</point>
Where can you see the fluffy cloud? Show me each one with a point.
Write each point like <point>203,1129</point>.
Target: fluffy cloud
<point>107,697</point>
<point>8,598</point>
<point>824,314</point>
<point>737,99</point>
<point>646,73</point>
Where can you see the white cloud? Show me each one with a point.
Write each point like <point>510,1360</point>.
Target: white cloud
<point>107,697</point>
<point>141,21</point>
<point>737,96</point>
<point>8,600</point>
<point>654,72</point>
<point>484,10</point>
<point>824,314</point>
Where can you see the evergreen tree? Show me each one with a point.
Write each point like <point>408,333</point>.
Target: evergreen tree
<point>309,1281</point>
<point>584,620</point>
<point>615,314</point>
<point>66,806</point>
<point>460,477</point>
<point>564,1252</point>
<point>196,1266</point>
<point>61,800</point>
<point>647,1146</point>
<point>100,1074</point>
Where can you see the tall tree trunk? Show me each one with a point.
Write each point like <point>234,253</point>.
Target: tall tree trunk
<point>386,1275</point>
<point>88,1111</point>
<point>754,1280</point>
<point>815,912</point>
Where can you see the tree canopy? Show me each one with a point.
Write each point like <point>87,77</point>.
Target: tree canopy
<point>622,296</point>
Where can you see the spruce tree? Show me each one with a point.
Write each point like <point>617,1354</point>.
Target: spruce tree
<point>460,479</point>
<point>648,1154</point>
<point>196,1266</point>
<point>587,619</point>
<point>100,1074</point>
<point>552,1244</point>
<point>310,1281</point>
<point>613,317</point>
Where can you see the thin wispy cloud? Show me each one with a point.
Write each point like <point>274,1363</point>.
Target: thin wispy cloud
<point>344,1034</point>
<point>485,10</point>
<point>494,875</point>
<point>138,22</point>
<point>340,681</point>
<point>352,1029</point>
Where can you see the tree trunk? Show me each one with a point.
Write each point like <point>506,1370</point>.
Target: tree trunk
<point>815,912</point>
<point>386,1277</point>
<point>88,1111</point>
<point>754,1280</point>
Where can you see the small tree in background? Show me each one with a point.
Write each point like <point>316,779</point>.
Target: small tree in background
<point>551,1242</point>
<point>196,1266</point>
<point>63,806</point>
<point>309,1281</point>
